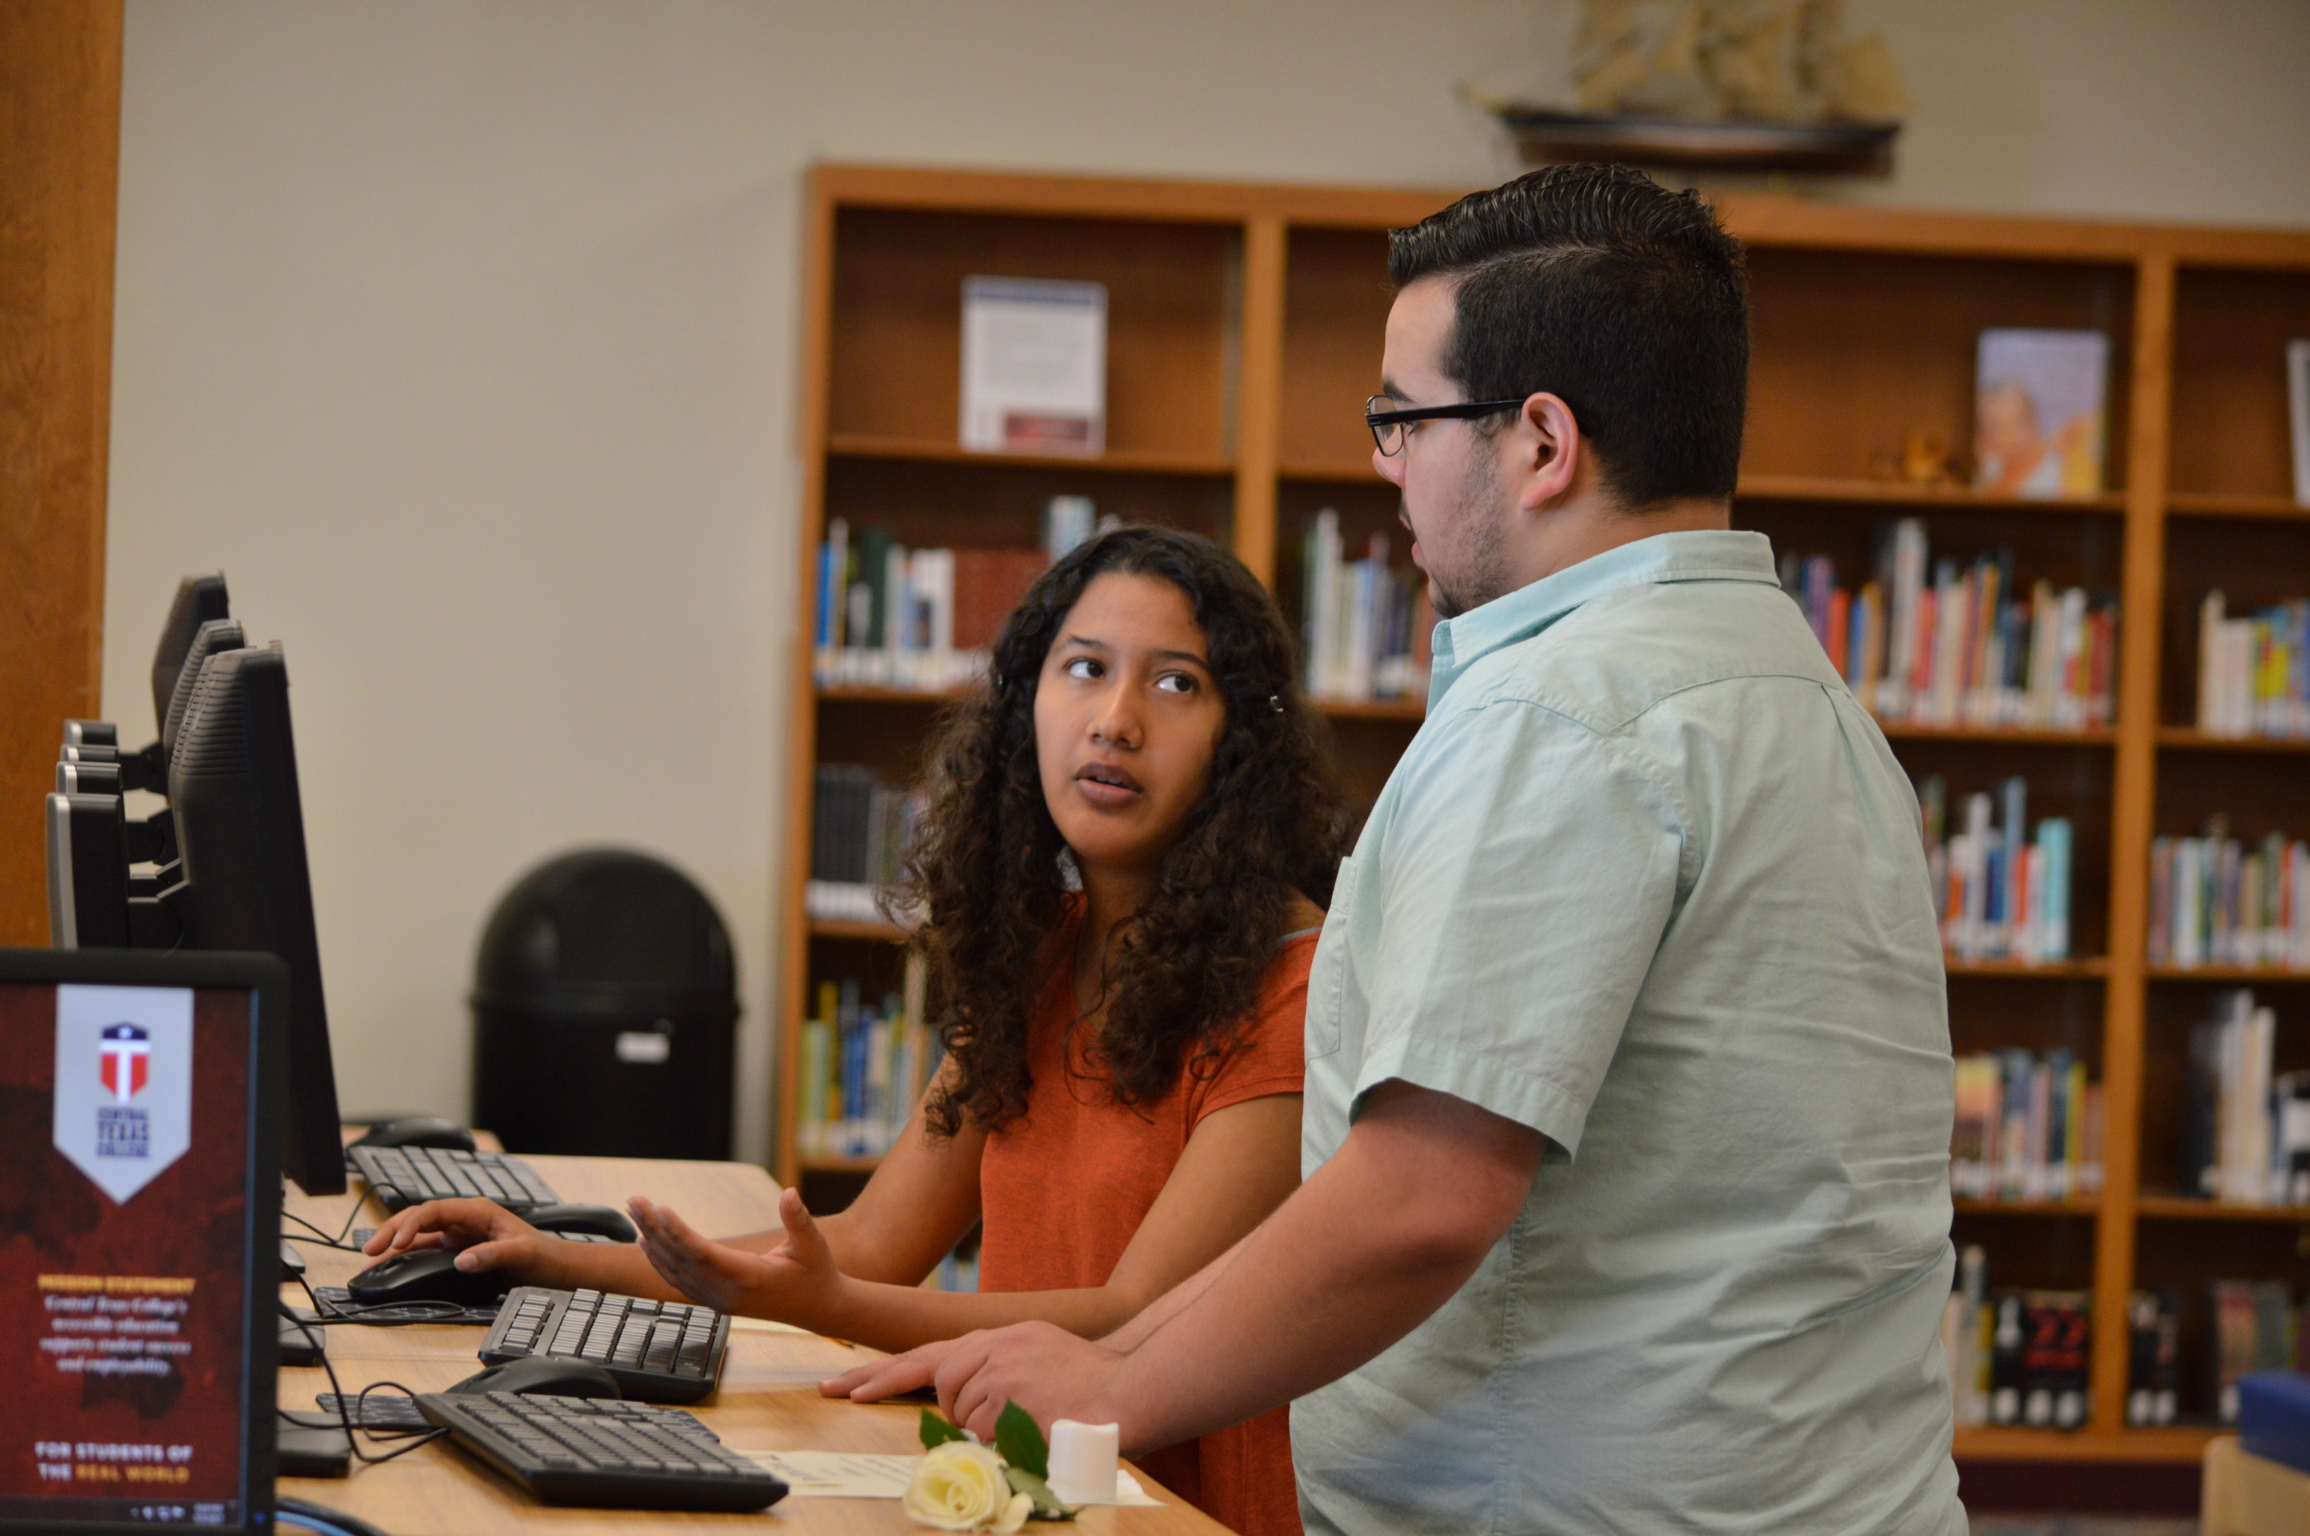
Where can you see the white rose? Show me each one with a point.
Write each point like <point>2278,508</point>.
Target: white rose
<point>959,1486</point>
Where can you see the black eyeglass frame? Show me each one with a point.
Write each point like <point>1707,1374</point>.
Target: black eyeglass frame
<point>1465,410</point>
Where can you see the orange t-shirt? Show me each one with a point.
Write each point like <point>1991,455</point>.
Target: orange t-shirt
<point>1063,1188</point>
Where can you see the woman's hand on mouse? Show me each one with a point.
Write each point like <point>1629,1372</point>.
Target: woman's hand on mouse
<point>485,1235</point>
<point>796,1282</point>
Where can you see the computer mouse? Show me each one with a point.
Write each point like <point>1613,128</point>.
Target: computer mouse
<point>600,1220</point>
<point>418,1131</point>
<point>427,1274</point>
<point>547,1377</point>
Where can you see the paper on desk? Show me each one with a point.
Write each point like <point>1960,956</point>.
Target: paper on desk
<point>860,1475</point>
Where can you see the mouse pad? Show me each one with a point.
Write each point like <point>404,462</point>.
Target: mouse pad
<point>338,1302</point>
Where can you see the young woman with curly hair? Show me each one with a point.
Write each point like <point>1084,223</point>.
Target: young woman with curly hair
<point>1128,829</point>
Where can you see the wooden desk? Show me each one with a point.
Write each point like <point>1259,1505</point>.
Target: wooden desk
<point>768,1398</point>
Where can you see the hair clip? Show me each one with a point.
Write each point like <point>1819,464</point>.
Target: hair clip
<point>1275,702</point>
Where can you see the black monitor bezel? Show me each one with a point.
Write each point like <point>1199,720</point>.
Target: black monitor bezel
<point>268,978</point>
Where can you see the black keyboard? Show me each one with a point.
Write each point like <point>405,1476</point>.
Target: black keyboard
<point>602,1452</point>
<point>404,1176</point>
<point>658,1351</point>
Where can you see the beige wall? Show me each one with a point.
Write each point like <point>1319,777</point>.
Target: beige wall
<point>462,337</point>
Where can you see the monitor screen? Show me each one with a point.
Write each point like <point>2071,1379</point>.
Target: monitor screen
<point>240,831</point>
<point>138,1224</point>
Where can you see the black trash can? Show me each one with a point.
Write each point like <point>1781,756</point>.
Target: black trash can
<point>605,1010</point>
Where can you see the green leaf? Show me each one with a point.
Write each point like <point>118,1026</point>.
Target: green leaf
<point>1020,1442</point>
<point>1047,1505</point>
<point>937,1431</point>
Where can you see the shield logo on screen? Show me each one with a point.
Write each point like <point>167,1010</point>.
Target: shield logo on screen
<point>123,1082</point>
<point>127,1053</point>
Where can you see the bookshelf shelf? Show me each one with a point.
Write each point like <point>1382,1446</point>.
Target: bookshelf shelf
<point>2226,504</point>
<point>2184,1444</point>
<point>851,928</point>
<point>1245,324</point>
<point>2182,738</point>
<point>2045,970</point>
<point>2088,1206</point>
<point>1894,493</point>
<point>2227,975</point>
<point>1414,710</point>
<point>854,445</point>
<point>875,693</point>
<point>2182,1208</point>
<point>2020,735</point>
<point>1331,474</point>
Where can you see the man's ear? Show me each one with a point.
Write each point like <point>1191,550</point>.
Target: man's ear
<point>1547,451</point>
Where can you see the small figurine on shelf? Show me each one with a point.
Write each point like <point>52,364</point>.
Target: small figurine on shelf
<point>1924,458</point>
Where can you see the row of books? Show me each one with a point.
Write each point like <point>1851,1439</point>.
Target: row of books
<point>864,1066</point>
<point>1998,893</point>
<point>1944,643</point>
<point>2028,1127</point>
<point>2216,900</point>
<point>859,832</point>
<point>1365,625</point>
<point>2254,672</point>
<point>2257,1326</point>
<point>2016,1357</point>
<point>922,618</point>
<point>2021,1357</point>
<point>2245,1127</point>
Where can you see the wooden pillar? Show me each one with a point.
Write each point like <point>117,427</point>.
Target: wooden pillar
<point>59,186</point>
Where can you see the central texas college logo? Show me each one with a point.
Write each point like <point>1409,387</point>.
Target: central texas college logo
<point>123,1095</point>
<point>127,1056</point>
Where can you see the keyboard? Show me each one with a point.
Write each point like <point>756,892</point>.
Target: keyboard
<point>404,1176</point>
<point>657,1351</point>
<point>602,1452</point>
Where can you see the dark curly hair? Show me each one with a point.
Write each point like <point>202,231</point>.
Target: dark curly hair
<point>1180,975</point>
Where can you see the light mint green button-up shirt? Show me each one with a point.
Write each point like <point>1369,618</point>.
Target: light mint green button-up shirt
<point>1648,880</point>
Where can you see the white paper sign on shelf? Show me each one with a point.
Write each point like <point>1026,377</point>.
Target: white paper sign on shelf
<point>1034,366</point>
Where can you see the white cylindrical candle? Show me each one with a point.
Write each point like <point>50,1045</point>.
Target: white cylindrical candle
<point>1083,1458</point>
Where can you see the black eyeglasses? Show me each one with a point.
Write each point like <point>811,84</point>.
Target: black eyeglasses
<point>1388,426</point>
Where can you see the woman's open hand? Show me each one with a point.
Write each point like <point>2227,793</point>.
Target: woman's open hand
<point>796,1282</point>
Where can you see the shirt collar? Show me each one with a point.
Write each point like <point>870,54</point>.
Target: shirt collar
<point>1707,554</point>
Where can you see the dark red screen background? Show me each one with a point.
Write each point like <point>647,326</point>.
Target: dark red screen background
<point>188,1222</point>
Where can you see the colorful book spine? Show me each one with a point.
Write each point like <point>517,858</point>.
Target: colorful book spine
<point>2028,1128</point>
<point>2215,900</point>
<point>1365,624</point>
<point>2254,672</point>
<point>864,1067</point>
<point>1944,643</point>
<point>2000,890</point>
<point>893,617</point>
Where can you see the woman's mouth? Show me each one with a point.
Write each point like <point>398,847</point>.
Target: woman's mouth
<point>1106,784</point>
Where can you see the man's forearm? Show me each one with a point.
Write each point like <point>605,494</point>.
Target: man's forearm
<point>1360,1256</point>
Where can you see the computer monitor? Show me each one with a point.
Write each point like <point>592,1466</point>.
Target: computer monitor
<point>213,636</point>
<point>139,1239</point>
<point>241,845</point>
<point>198,600</point>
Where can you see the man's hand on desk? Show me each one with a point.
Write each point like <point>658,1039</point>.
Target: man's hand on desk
<point>1045,1369</point>
<point>796,1281</point>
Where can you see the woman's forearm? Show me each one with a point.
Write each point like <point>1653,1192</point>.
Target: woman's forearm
<point>899,1317</point>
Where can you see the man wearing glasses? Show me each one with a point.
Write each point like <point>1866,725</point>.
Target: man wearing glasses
<point>1628,1079</point>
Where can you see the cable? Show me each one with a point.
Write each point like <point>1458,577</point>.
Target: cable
<point>345,1421</point>
<point>323,1232</point>
<point>320,1518</point>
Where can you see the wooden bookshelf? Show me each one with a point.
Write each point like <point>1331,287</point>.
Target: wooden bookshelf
<point>1244,334</point>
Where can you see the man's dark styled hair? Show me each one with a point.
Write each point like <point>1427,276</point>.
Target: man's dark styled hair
<point>1598,285</point>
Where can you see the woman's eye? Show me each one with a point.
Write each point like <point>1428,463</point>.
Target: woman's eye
<point>1176,682</point>
<point>1082,666</point>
